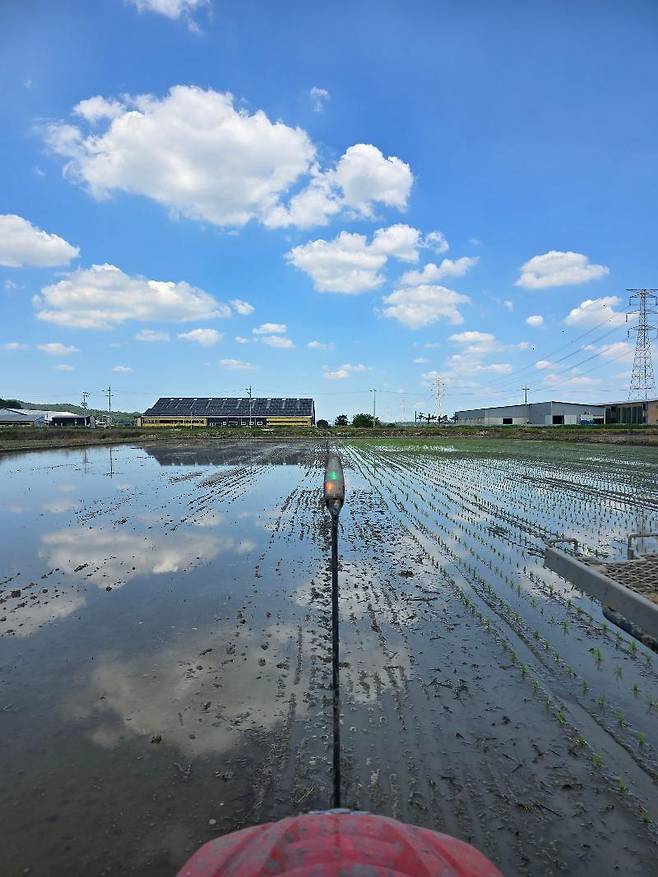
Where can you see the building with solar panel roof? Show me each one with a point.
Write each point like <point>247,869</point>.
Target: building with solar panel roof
<point>219,411</point>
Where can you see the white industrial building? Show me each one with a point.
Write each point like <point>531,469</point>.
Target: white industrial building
<point>533,414</point>
<point>34,417</point>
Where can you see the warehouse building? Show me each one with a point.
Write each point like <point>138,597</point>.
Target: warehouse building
<point>633,412</point>
<point>224,411</point>
<point>34,417</point>
<point>533,414</point>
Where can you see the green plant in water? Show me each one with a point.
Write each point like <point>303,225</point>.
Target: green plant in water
<point>560,716</point>
<point>641,740</point>
<point>597,761</point>
<point>580,741</point>
<point>621,786</point>
<point>636,690</point>
<point>645,816</point>
<point>621,721</point>
<point>585,686</point>
<point>619,672</point>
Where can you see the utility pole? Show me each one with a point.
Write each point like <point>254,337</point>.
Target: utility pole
<point>250,404</point>
<point>374,407</point>
<point>109,407</point>
<point>438,388</point>
<point>645,304</point>
<point>525,395</point>
<point>85,396</point>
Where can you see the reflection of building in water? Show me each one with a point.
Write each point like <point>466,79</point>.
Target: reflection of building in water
<point>230,455</point>
<point>225,411</point>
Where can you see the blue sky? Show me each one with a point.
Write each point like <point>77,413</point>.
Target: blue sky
<point>195,191</point>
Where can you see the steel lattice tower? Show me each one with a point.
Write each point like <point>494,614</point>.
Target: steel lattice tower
<point>645,304</point>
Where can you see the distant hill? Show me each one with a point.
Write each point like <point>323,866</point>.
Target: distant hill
<point>119,418</point>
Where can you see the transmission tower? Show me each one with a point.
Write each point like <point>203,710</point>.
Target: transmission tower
<point>644,305</point>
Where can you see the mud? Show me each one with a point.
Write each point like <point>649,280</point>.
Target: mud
<point>165,651</point>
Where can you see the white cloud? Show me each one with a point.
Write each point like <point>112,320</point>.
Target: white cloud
<point>509,305</point>
<point>121,369</point>
<point>14,345</point>
<point>619,350</point>
<point>173,9</point>
<point>63,367</point>
<point>242,307</point>
<point>366,177</point>
<point>151,335</point>
<point>241,339</point>
<point>420,360</point>
<point>56,348</point>
<point>573,380</point>
<point>277,341</point>
<point>436,241</point>
<point>103,296</point>
<point>270,329</point>
<point>220,165</point>
<point>95,109</point>
<point>349,264</point>
<point>420,306</point>
<point>535,320</point>
<point>432,273</point>
<point>23,244</point>
<point>543,364</point>
<point>235,364</point>
<point>595,311</point>
<point>559,269</point>
<point>204,337</point>
<point>476,342</point>
<point>362,178</point>
<point>320,345</point>
<point>319,96</point>
<point>344,371</point>
<point>10,285</point>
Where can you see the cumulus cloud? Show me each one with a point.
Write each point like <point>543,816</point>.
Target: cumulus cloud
<point>319,97</point>
<point>349,264</point>
<point>270,329</point>
<point>344,371</point>
<point>573,380</point>
<point>419,306</point>
<point>121,369</point>
<point>432,273</point>
<point>420,360</point>
<point>64,367</point>
<point>508,304</point>
<point>595,311</point>
<point>102,297</point>
<point>535,320</point>
<point>618,350</point>
<point>473,341</point>
<point>220,164</point>
<point>151,335</point>
<point>204,337</point>
<point>23,244</point>
<point>277,341</point>
<point>56,348</point>
<point>543,364</point>
<point>241,339</point>
<point>235,364</point>
<point>436,241</point>
<point>559,269</point>
<point>242,307</point>
<point>320,345</point>
<point>14,345</point>
<point>173,9</point>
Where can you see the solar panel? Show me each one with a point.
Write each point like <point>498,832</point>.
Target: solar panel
<point>224,406</point>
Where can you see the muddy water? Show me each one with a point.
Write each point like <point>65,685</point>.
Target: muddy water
<point>165,655</point>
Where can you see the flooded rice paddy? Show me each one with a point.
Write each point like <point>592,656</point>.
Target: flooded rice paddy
<point>165,663</point>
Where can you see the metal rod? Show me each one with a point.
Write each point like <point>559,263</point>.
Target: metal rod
<point>335,661</point>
